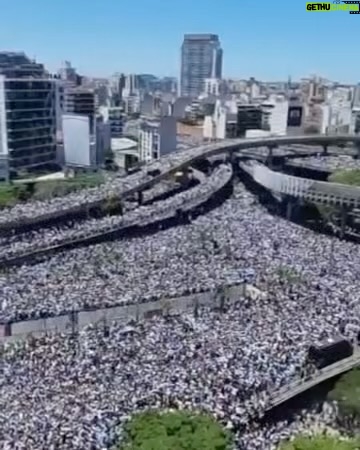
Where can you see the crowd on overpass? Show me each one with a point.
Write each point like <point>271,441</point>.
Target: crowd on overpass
<point>117,186</point>
<point>45,238</point>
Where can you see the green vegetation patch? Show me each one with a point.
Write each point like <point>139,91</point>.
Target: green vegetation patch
<point>174,431</point>
<point>320,442</point>
<point>12,193</point>
<point>347,394</point>
<point>58,188</point>
<point>8,195</point>
<point>351,177</point>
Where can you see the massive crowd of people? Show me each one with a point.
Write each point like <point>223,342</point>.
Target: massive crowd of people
<point>75,391</point>
<point>115,186</point>
<point>112,187</point>
<point>45,238</point>
<point>328,163</point>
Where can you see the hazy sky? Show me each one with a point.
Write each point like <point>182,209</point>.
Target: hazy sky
<point>266,39</point>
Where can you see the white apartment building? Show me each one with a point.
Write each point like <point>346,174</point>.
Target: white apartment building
<point>316,118</point>
<point>329,118</point>
<point>339,111</point>
<point>132,104</point>
<point>215,125</point>
<point>130,87</point>
<point>274,115</point>
<point>340,119</point>
<point>221,124</point>
<point>254,90</point>
<point>157,138</point>
<point>355,120</point>
<point>356,96</point>
<point>213,86</point>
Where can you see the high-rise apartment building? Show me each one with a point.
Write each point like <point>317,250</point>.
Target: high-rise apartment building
<point>115,117</point>
<point>157,138</point>
<point>201,58</point>
<point>81,100</point>
<point>27,116</point>
<point>249,117</point>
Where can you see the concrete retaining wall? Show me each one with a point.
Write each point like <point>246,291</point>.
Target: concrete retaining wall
<point>177,305</point>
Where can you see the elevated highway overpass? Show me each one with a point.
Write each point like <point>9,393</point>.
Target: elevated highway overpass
<point>169,164</point>
<point>298,387</point>
<point>303,188</point>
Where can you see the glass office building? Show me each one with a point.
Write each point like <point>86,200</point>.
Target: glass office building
<point>27,116</point>
<point>201,58</point>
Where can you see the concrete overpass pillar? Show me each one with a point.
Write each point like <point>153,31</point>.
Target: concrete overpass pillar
<point>357,151</point>
<point>140,197</point>
<point>289,209</point>
<point>343,222</point>
<point>270,156</point>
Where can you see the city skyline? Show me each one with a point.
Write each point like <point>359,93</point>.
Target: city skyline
<point>268,42</point>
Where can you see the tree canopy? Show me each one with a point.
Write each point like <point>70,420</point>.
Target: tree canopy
<point>320,442</point>
<point>347,393</point>
<point>350,176</point>
<point>174,431</point>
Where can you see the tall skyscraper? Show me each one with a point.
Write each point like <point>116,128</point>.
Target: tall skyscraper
<point>27,116</point>
<point>201,58</point>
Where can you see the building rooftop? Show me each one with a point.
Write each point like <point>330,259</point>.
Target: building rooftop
<point>201,37</point>
<point>18,65</point>
<point>121,144</point>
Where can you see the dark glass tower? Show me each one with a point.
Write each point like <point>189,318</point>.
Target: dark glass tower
<point>27,116</point>
<point>201,57</point>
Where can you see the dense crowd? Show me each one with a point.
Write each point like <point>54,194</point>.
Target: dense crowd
<point>319,419</point>
<point>328,163</point>
<point>45,238</point>
<point>116,186</point>
<point>196,258</point>
<point>112,187</point>
<point>72,392</point>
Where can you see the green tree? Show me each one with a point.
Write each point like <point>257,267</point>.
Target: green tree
<point>347,394</point>
<point>174,431</point>
<point>319,442</point>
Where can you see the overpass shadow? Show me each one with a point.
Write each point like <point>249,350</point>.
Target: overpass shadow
<point>311,399</point>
